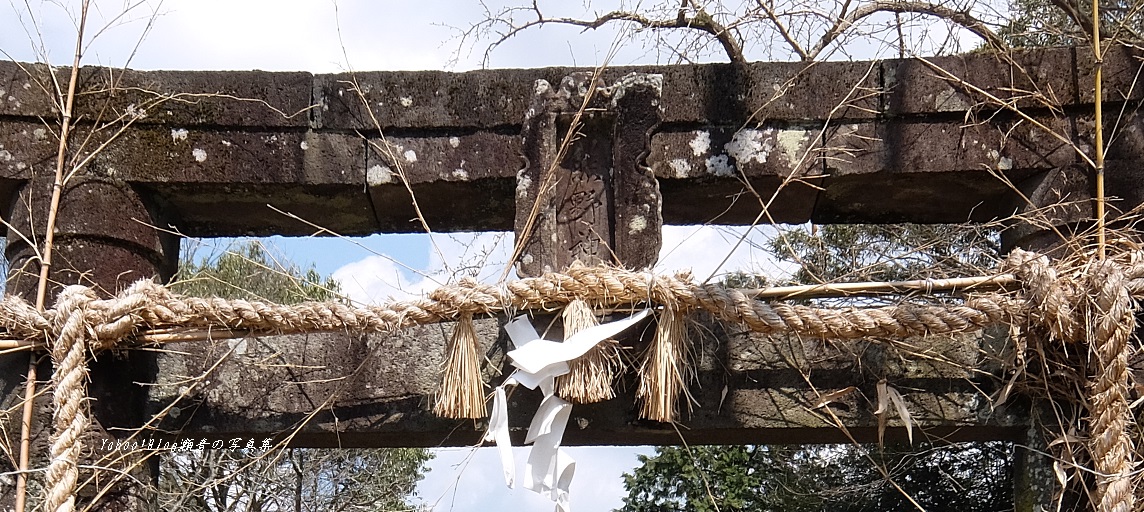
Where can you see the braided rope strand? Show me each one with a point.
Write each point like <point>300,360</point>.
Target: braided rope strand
<point>1112,322</point>
<point>149,305</point>
<point>69,357</point>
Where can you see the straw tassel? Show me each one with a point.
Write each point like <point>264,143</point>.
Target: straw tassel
<point>591,375</point>
<point>663,371</point>
<point>462,387</point>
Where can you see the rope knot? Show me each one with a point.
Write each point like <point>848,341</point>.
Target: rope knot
<point>1090,302</point>
<point>1053,300</point>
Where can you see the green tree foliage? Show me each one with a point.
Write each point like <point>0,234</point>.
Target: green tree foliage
<point>1040,23</point>
<point>973,477</point>
<point>886,252</point>
<point>298,480</point>
<point>249,271</point>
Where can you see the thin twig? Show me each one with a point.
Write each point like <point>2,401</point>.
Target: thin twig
<point>701,21</point>
<point>384,148</point>
<point>961,18</point>
<point>187,335</point>
<point>783,31</point>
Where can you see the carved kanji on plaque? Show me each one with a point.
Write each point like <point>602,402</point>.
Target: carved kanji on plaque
<point>588,195</point>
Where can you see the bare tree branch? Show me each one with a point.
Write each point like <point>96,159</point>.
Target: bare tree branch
<point>797,28</point>
<point>962,18</point>
<point>1074,13</point>
<point>783,30</point>
<point>701,21</point>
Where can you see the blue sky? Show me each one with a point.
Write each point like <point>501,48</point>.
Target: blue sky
<point>321,36</point>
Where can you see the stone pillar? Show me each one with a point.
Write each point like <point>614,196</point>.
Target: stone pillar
<point>104,238</point>
<point>1054,207</point>
<point>1035,485</point>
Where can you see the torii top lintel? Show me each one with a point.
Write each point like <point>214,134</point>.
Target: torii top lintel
<point>897,140</point>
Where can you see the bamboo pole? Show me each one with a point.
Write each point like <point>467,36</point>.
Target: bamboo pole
<point>977,284</point>
<point>26,433</point>
<point>46,261</point>
<point>1098,66</point>
<point>156,336</point>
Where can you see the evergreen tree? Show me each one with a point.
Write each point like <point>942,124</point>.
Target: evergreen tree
<point>969,477</point>
<point>248,270</point>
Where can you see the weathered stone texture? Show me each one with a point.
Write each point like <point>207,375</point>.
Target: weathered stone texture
<point>25,90</point>
<point>709,93</point>
<point>1034,79</point>
<point>92,246</point>
<point>934,172</point>
<point>449,158</point>
<point>1120,74</point>
<point>812,140</point>
<point>376,390</point>
<point>201,98</point>
<point>723,152</point>
<point>585,194</point>
<point>25,147</point>
<point>783,166</point>
<point>179,155</point>
<point>901,147</point>
<point>1057,198</point>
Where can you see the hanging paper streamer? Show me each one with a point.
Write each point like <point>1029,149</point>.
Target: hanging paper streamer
<point>498,433</point>
<point>549,469</point>
<point>462,392</point>
<point>590,376</point>
<point>547,464</point>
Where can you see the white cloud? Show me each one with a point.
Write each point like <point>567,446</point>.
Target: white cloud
<point>307,35</point>
<point>377,278</point>
<point>716,250</point>
<point>272,35</point>
<point>469,479</point>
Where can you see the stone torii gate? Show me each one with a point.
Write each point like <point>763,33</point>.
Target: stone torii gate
<point>848,142</point>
